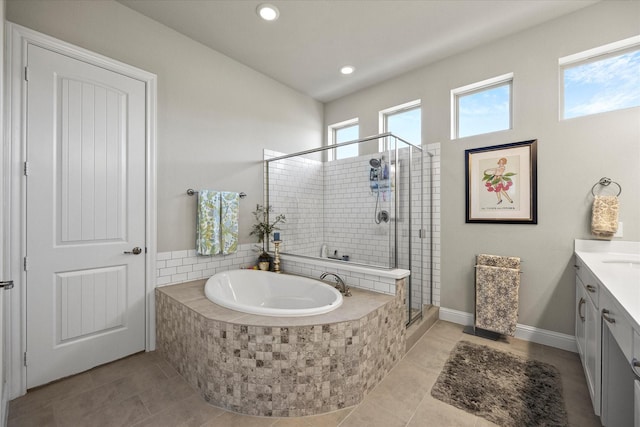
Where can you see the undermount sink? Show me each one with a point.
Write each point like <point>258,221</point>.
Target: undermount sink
<point>623,262</point>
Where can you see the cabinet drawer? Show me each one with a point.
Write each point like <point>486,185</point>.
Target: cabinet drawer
<point>588,281</point>
<point>615,319</point>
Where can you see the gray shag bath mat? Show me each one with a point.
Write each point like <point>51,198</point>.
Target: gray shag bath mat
<point>503,388</point>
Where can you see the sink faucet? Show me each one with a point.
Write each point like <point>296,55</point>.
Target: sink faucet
<point>340,285</point>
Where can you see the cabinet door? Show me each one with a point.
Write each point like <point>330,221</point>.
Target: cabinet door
<point>637,404</point>
<point>592,352</point>
<point>617,383</point>
<point>581,338</point>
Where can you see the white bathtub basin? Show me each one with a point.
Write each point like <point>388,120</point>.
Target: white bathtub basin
<point>271,294</point>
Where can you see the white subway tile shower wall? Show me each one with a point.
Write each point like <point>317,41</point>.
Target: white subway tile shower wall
<point>436,151</point>
<point>349,213</point>
<point>297,191</point>
<point>329,203</point>
<point>349,209</point>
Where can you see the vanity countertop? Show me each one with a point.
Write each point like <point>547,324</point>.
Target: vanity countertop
<point>617,266</point>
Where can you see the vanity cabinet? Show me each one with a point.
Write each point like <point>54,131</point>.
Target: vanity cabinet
<point>588,333</point>
<point>608,327</point>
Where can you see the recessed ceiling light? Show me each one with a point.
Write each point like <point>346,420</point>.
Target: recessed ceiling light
<point>347,69</point>
<point>268,12</point>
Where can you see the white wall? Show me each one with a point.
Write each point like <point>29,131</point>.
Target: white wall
<point>572,156</point>
<point>214,114</point>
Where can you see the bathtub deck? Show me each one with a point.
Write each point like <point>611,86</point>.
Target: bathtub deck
<point>191,294</point>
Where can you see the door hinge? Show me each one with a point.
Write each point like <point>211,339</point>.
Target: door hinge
<point>26,264</point>
<point>26,73</point>
<point>24,358</point>
<point>26,168</point>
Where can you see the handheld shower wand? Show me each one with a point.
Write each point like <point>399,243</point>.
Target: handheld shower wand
<point>383,215</point>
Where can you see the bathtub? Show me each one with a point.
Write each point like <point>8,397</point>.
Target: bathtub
<point>271,294</point>
<point>280,366</point>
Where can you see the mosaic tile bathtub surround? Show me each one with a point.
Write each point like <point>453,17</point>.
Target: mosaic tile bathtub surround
<point>282,371</point>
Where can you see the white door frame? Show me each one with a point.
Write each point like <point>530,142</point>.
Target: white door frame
<point>17,40</point>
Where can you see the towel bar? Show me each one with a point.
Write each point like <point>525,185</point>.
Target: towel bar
<point>191,192</point>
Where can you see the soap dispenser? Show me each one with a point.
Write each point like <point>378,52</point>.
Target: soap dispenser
<point>323,251</point>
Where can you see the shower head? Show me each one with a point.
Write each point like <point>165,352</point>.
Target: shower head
<point>375,163</point>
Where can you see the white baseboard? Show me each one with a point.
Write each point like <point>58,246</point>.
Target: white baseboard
<point>455,316</point>
<point>523,332</point>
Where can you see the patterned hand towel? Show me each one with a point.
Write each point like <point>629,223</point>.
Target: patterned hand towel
<point>498,261</point>
<point>208,223</point>
<point>230,204</point>
<point>604,216</point>
<point>497,299</point>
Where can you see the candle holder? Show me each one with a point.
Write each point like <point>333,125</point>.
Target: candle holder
<point>276,256</point>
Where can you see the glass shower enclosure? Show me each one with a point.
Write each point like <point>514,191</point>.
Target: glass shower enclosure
<point>368,209</point>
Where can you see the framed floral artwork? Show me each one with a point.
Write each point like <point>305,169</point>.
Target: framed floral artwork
<point>501,183</point>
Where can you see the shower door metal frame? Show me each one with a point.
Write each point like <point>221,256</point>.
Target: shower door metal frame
<point>421,236</point>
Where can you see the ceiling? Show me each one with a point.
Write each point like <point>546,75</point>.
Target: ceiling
<point>312,39</point>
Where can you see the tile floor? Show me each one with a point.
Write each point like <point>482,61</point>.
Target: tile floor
<point>143,390</point>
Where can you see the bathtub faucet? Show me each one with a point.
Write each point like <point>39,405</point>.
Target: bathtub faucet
<point>340,285</point>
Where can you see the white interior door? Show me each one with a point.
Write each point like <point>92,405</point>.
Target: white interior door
<point>85,210</point>
<point>3,363</point>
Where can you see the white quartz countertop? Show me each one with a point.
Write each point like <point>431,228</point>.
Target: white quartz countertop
<point>617,266</point>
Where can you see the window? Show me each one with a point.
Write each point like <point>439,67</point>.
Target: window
<point>481,107</point>
<point>403,121</point>
<point>603,79</point>
<point>343,132</point>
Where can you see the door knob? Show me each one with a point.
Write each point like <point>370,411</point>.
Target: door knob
<point>134,251</point>
<point>6,284</point>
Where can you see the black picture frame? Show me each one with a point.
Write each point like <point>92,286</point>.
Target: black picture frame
<point>501,183</point>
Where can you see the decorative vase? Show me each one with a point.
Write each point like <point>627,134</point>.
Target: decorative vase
<point>263,265</point>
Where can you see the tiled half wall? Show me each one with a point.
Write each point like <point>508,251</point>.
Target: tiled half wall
<point>185,266</point>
